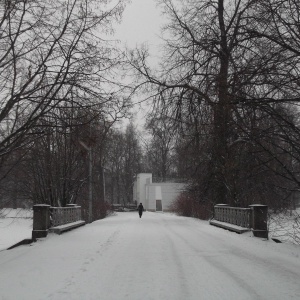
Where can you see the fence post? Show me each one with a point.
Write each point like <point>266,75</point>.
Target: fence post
<point>259,218</point>
<point>41,220</point>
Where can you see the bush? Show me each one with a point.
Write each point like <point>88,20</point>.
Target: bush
<point>188,205</point>
<point>101,210</point>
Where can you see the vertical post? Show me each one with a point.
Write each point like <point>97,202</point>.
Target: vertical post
<point>89,149</point>
<point>90,186</point>
<point>41,221</point>
<point>103,177</point>
<point>259,220</point>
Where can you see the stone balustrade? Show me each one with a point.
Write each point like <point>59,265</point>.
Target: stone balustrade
<point>57,219</point>
<point>233,215</point>
<point>242,219</point>
<point>64,215</point>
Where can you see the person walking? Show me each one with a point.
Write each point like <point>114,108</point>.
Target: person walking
<point>140,209</point>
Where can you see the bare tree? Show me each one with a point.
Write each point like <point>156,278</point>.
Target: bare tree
<point>123,160</point>
<point>57,67</point>
<point>220,75</point>
<point>48,49</point>
<point>160,148</point>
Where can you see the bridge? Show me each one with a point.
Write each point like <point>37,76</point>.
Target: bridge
<point>160,256</point>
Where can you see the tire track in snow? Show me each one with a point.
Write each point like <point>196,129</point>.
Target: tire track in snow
<point>255,274</point>
<point>209,257</point>
<point>176,261</point>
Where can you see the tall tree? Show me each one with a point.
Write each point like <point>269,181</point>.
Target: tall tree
<point>48,49</point>
<point>123,162</point>
<point>216,68</point>
<point>160,149</point>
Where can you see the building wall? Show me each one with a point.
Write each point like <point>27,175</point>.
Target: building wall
<point>140,185</point>
<point>135,192</point>
<point>166,192</point>
<point>146,192</point>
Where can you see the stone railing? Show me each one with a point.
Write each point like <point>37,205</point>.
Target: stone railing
<point>64,215</point>
<point>233,215</point>
<point>58,219</point>
<point>242,219</point>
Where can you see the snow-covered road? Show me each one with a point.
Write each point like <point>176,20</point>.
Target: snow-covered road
<point>160,256</point>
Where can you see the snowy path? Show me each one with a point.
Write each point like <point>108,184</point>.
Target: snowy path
<point>160,256</point>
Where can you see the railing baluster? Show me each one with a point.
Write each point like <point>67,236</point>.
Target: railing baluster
<point>233,215</point>
<point>65,215</point>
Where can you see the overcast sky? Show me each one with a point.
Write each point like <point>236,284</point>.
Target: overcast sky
<point>141,23</point>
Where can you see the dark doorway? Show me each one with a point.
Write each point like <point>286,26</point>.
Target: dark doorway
<point>158,205</point>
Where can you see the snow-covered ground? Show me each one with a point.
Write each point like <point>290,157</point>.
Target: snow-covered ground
<point>15,225</point>
<point>285,226</point>
<point>160,256</point>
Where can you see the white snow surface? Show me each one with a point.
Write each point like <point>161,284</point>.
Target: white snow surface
<point>160,256</point>
<point>15,226</point>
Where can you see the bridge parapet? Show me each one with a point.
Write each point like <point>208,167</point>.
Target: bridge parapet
<point>56,219</point>
<point>242,219</point>
<point>233,215</point>
<point>65,215</point>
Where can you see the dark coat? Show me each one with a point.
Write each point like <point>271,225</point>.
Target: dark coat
<point>140,208</point>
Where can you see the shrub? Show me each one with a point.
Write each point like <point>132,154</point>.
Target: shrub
<point>101,210</point>
<point>186,204</point>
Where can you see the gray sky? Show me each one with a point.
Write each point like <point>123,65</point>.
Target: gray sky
<point>141,24</point>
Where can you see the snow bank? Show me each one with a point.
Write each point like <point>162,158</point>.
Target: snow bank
<point>285,226</point>
<point>15,225</point>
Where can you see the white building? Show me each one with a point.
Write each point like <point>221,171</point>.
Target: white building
<point>155,196</point>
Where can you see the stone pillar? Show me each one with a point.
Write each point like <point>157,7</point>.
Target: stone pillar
<point>41,220</point>
<point>259,220</point>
